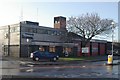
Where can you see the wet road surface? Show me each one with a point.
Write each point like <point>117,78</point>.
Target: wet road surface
<point>60,70</point>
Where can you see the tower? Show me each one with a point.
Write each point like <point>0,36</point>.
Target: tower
<point>60,22</point>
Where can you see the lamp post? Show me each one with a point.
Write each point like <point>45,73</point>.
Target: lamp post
<point>28,46</point>
<point>113,25</point>
<point>110,57</point>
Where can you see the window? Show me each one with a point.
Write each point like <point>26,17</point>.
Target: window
<point>17,29</point>
<point>5,49</point>
<point>6,35</point>
<point>42,31</point>
<point>5,30</point>
<point>12,29</point>
<point>56,22</point>
<point>58,33</point>
<point>55,33</point>
<point>41,49</point>
<point>67,49</point>
<point>34,30</point>
<point>39,31</point>
<point>45,31</point>
<point>29,30</point>
<point>52,49</point>
<point>50,32</point>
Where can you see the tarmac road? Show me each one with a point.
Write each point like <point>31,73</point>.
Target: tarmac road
<point>78,69</point>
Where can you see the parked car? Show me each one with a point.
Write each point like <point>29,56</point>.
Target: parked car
<point>39,55</point>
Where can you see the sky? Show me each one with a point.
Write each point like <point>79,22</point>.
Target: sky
<point>44,11</point>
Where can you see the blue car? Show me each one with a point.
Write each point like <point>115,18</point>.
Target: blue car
<point>39,55</point>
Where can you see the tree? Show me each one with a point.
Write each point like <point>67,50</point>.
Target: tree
<point>88,26</point>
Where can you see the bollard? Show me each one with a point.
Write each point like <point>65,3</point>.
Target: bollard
<point>110,59</point>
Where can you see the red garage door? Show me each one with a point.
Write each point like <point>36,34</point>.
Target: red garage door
<point>102,49</point>
<point>94,49</point>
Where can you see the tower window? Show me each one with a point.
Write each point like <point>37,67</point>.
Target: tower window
<point>55,22</point>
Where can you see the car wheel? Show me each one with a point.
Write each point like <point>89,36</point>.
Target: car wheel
<point>33,59</point>
<point>36,58</point>
<point>54,59</point>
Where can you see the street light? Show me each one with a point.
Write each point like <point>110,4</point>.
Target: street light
<point>113,25</point>
<point>110,57</point>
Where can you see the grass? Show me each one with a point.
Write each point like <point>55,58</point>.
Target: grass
<point>75,59</point>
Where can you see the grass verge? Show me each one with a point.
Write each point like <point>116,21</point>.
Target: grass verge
<point>76,59</point>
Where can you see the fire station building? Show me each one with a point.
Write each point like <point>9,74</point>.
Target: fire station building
<point>20,39</point>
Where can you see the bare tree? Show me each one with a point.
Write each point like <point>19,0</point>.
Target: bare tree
<point>88,26</point>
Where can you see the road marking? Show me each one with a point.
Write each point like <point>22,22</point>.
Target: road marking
<point>83,66</point>
<point>58,67</point>
<point>29,70</point>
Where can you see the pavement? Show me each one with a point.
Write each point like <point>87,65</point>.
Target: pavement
<point>93,59</point>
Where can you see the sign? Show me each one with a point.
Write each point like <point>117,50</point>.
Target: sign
<point>85,50</point>
<point>27,35</point>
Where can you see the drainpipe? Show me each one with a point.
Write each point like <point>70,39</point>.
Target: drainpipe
<point>8,40</point>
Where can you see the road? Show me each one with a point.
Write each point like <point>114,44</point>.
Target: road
<point>78,69</point>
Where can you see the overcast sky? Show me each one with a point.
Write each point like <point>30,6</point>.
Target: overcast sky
<point>44,12</point>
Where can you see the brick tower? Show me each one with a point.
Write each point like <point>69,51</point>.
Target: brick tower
<point>60,22</point>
